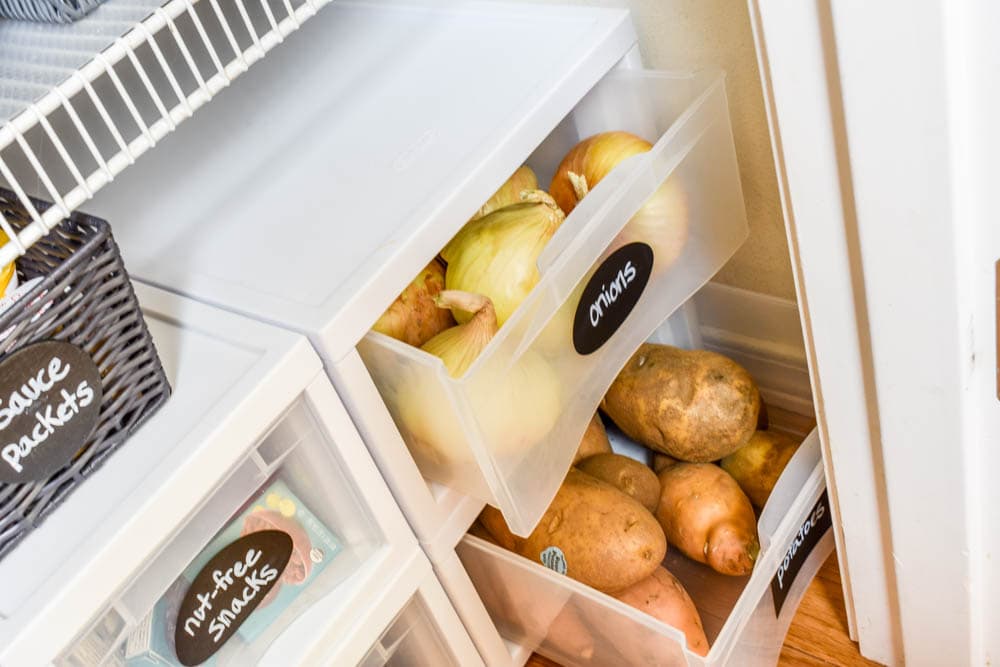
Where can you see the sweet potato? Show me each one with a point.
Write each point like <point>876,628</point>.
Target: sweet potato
<point>663,597</point>
<point>591,532</point>
<point>706,515</point>
<point>696,406</point>
<point>625,474</point>
<point>595,440</point>
<point>757,465</point>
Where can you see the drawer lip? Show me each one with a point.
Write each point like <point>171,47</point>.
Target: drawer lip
<point>689,116</point>
<point>809,491</point>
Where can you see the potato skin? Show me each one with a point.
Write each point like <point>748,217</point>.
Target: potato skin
<point>608,539</point>
<point>663,597</point>
<point>595,440</point>
<point>625,474</point>
<point>706,515</point>
<point>697,406</point>
<point>661,461</point>
<point>757,465</point>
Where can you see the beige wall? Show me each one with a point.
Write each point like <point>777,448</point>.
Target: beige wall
<point>680,34</point>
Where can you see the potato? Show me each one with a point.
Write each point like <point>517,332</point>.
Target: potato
<point>625,474</point>
<point>757,465</point>
<point>601,536</point>
<point>595,440</point>
<point>569,635</point>
<point>663,597</point>
<point>706,515</point>
<point>661,461</point>
<point>696,406</point>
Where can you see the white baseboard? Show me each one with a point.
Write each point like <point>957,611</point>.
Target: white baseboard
<point>762,333</point>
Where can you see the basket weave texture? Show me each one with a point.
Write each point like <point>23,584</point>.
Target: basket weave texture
<point>84,298</point>
<point>47,11</point>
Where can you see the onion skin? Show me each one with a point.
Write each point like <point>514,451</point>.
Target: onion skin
<point>521,181</point>
<point>497,255</point>
<point>593,158</point>
<point>661,222</point>
<point>413,317</point>
<point>459,346</point>
<point>528,388</point>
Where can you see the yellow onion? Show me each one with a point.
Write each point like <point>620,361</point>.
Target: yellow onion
<point>459,346</point>
<point>497,255</point>
<point>6,272</point>
<point>662,222</point>
<point>522,180</point>
<point>588,162</point>
<point>515,403</point>
<point>413,317</point>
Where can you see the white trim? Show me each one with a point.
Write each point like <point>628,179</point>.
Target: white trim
<point>800,80</point>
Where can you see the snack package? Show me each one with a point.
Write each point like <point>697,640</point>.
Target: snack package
<point>314,546</point>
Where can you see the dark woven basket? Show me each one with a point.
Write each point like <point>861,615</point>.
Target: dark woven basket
<point>84,298</point>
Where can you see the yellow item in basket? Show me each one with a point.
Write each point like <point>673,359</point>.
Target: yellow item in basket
<point>6,272</point>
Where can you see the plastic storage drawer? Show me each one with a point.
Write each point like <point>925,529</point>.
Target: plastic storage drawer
<point>316,225</point>
<point>253,425</point>
<point>745,618</point>
<point>426,632</point>
<point>648,236</point>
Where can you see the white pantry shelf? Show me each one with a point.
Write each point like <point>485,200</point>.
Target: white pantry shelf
<point>80,102</point>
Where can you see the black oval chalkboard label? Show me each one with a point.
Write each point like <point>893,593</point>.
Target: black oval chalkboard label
<point>810,533</point>
<point>50,401</point>
<point>226,591</point>
<point>610,295</point>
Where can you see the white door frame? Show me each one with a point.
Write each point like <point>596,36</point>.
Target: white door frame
<point>883,118</point>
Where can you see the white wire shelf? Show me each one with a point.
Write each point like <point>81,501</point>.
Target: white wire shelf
<point>79,103</point>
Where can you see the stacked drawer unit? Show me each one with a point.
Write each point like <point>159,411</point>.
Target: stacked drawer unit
<point>253,443</point>
<point>326,260</point>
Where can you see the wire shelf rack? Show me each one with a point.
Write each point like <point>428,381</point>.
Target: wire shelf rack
<point>79,103</point>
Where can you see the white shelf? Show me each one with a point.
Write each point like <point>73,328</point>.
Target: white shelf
<point>382,128</point>
<point>80,102</point>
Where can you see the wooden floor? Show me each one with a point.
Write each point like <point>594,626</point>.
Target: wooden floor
<point>818,636</point>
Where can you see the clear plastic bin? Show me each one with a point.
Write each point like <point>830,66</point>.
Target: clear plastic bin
<point>745,625</point>
<point>506,431</point>
<point>293,473</point>
<point>412,639</point>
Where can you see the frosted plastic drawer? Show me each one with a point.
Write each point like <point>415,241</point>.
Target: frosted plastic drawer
<point>744,621</point>
<point>412,639</point>
<point>290,480</point>
<point>473,434</point>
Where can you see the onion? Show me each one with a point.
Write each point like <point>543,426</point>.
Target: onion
<point>459,346</point>
<point>497,255</point>
<point>521,181</point>
<point>413,317</point>
<point>662,222</point>
<point>588,162</point>
<point>516,404</point>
